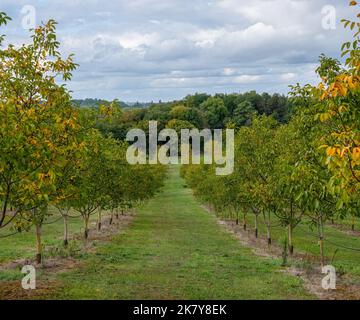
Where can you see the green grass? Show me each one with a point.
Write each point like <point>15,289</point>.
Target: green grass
<point>305,241</point>
<point>22,245</point>
<point>176,250</point>
<point>347,222</point>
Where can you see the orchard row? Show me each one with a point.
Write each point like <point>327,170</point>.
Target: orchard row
<point>51,152</point>
<point>305,170</point>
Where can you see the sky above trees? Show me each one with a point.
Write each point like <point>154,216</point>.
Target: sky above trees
<point>152,49</point>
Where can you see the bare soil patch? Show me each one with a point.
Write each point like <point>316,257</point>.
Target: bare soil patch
<point>12,290</point>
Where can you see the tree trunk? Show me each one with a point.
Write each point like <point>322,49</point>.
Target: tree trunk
<point>268,229</point>
<point>353,223</point>
<point>122,212</point>
<point>290,241</point>
<point>290,229</point>
<point>99,220</point>
<point>244,221</point>
<point>86,232</point>
<point>66,232</point>
<point>256,226</point>
<point>38,244</point>
<point>5,204</point>
<point>269,241</point>
<point>237,218</point>
<point>321,241</point>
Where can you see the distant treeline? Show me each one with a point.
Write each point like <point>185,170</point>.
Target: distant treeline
<point>89,102</point>
<point>200,111</point>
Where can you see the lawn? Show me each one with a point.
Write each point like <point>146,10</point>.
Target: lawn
<point>176,250</point>
<point>342,249</point>
<point>22,245</point>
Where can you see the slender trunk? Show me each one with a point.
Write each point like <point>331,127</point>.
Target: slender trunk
<point>244,221</point>
<point>38,244</point>
<point>353,222</point>
<point>290,239</point>
<point>256,226</point>
<point>66,231</point>
<point>111,218</point>
<point>290,229</point>
<point>122,212</point>
<point>86,222</point>
<point>5,204</point>
<point>237,217</point>
<point>268,229</point>
<point>99,220</point>
<point>321,241</point>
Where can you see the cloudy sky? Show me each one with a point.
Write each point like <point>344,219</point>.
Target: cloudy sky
<point>165,49</point>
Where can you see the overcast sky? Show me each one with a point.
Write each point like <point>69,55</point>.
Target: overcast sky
<point>165,49</point>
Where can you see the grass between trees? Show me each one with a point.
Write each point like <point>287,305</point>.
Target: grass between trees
<point>341,249</point>
<point>52,154</point>
<point>174,249</point>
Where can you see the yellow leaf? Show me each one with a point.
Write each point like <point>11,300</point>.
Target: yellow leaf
<point>344,151</point>
<point>342,109</point>
<point>342,89</point>
<point>324,117</point>
<point>324,96</point>
<point>356,153</point>
<point>331,151</point>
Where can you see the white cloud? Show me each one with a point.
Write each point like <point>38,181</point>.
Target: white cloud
<point>228,71</point>
<point>245,79</point>
<point>151,49</point>
<point>133,40</point>
<point>288,76</point>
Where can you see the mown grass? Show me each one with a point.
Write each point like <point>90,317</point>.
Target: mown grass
<point>338,244</point>
<point>22,245</point>
<point>176,250</point>
<point>347,222</point>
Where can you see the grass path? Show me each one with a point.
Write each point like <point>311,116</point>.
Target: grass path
<point>176,250</point>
